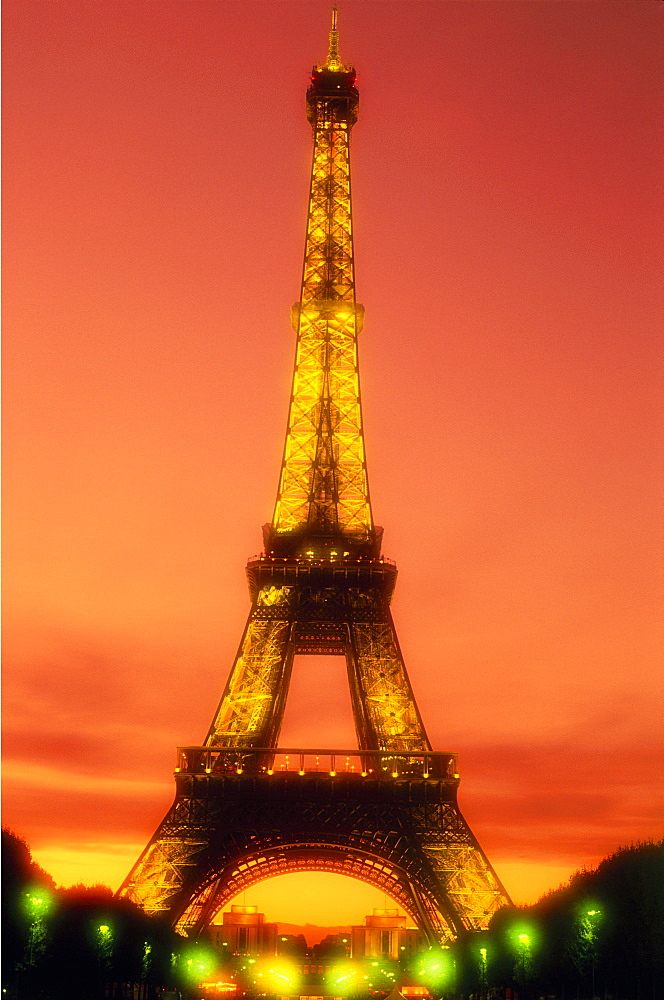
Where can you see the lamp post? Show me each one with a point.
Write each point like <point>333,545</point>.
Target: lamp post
<point>37,903</point>
<point>592,916</point>
<point>524,942</point>
<point>105,947</point>
<point>483,972</point>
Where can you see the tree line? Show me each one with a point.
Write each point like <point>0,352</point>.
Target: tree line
<point>601,935</point>
<point>81,942</point>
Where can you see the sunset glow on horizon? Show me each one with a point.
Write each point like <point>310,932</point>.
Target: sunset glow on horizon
<point>507,202</point>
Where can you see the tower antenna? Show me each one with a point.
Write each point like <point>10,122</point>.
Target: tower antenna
<point>333,61</point>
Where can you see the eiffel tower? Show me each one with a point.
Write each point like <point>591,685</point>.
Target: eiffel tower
<point>385,813</point>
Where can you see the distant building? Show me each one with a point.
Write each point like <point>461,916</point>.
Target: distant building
<point>294,945</point>
<point>385,935</point>
<point>244,931</point>
<point>333,946</point>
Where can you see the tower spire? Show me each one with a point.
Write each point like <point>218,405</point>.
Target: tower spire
<point>333,62</point>
<point>323,496</point>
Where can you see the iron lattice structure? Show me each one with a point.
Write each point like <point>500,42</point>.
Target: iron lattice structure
<point>387,813</point>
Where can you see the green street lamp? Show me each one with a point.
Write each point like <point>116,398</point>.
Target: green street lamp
<point>200,964</point>
<point>104,938</point>
<point>592,918</point>
<point>524,945</point>
<point>104,935</point>
<point>37,903</point>
<point>483,971</point>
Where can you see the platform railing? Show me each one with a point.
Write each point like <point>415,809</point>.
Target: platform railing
<point>324,558</point>
<point>297,761</point>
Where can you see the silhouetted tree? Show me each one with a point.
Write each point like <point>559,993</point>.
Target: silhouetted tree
<point>23,929</point>
<point>601,933</point>
<point>77,942</point>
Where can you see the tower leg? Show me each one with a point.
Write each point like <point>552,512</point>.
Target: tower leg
<point>381,689</point>
<point>252,706</point>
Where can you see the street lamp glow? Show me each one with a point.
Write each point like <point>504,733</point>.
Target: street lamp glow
<point>434,967</point>
<point>523,936</point>
<point>484,968</point>
<point>589,919</point>
<point>277,973</point>
<point>198,965</point>
<point>38,902</point>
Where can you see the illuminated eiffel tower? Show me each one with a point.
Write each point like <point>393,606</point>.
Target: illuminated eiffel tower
<point>246,809</point>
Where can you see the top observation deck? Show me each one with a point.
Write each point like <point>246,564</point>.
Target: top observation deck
<point>332,95</point>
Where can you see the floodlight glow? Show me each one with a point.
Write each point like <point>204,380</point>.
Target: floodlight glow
<point>199,965</point>
<point>341,973</point>
<point>434,967</point>
<point>279,973</point>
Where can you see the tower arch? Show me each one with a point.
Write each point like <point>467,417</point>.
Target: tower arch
<point>221,887</point>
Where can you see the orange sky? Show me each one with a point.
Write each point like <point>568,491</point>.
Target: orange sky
<point>508,208</point>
